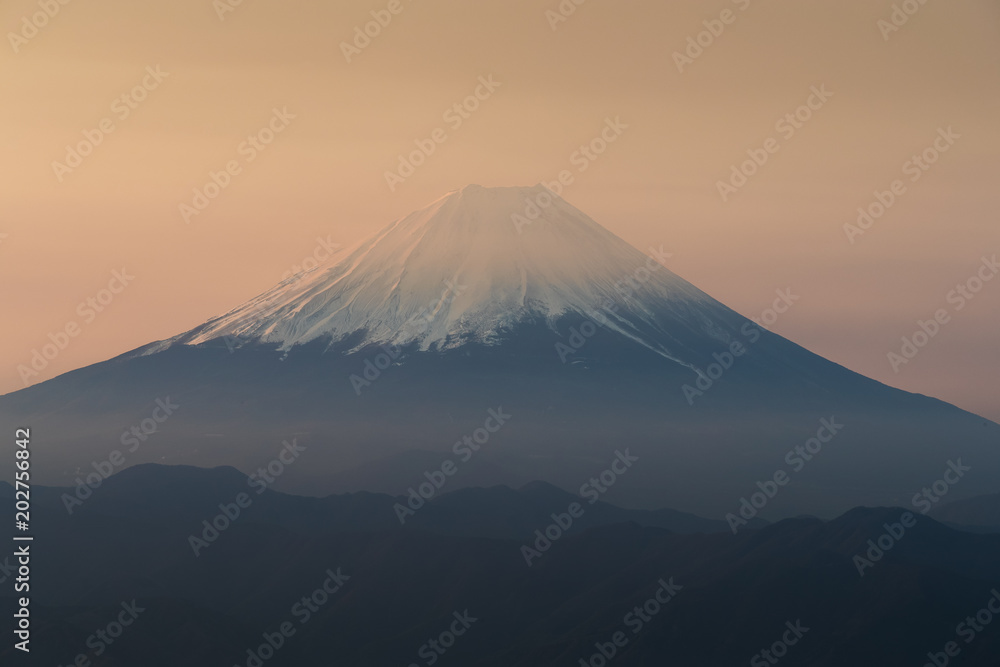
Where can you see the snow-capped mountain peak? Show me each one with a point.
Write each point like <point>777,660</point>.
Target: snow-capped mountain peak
<point>467,267</point>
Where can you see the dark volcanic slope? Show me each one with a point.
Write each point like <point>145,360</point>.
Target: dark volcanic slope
<point>567,422</point>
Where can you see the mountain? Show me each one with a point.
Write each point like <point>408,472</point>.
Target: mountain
<point>730,596</point>
<point>503,335</point>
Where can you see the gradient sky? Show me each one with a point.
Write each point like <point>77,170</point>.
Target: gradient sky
<point>323,176</point>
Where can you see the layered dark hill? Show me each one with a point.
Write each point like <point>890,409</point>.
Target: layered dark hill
<point>730,596</point>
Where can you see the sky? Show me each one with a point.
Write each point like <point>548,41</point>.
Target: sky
<point>118,117</point>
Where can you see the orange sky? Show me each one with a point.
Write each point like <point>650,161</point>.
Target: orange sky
<point>324,173</point>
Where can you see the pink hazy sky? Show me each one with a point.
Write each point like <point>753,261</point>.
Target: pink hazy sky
<point>323,176</point>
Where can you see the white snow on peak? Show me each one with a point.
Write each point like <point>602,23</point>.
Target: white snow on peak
<point>463,269</point>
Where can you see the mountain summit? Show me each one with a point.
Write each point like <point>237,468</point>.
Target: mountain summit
<point>468,268</point>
